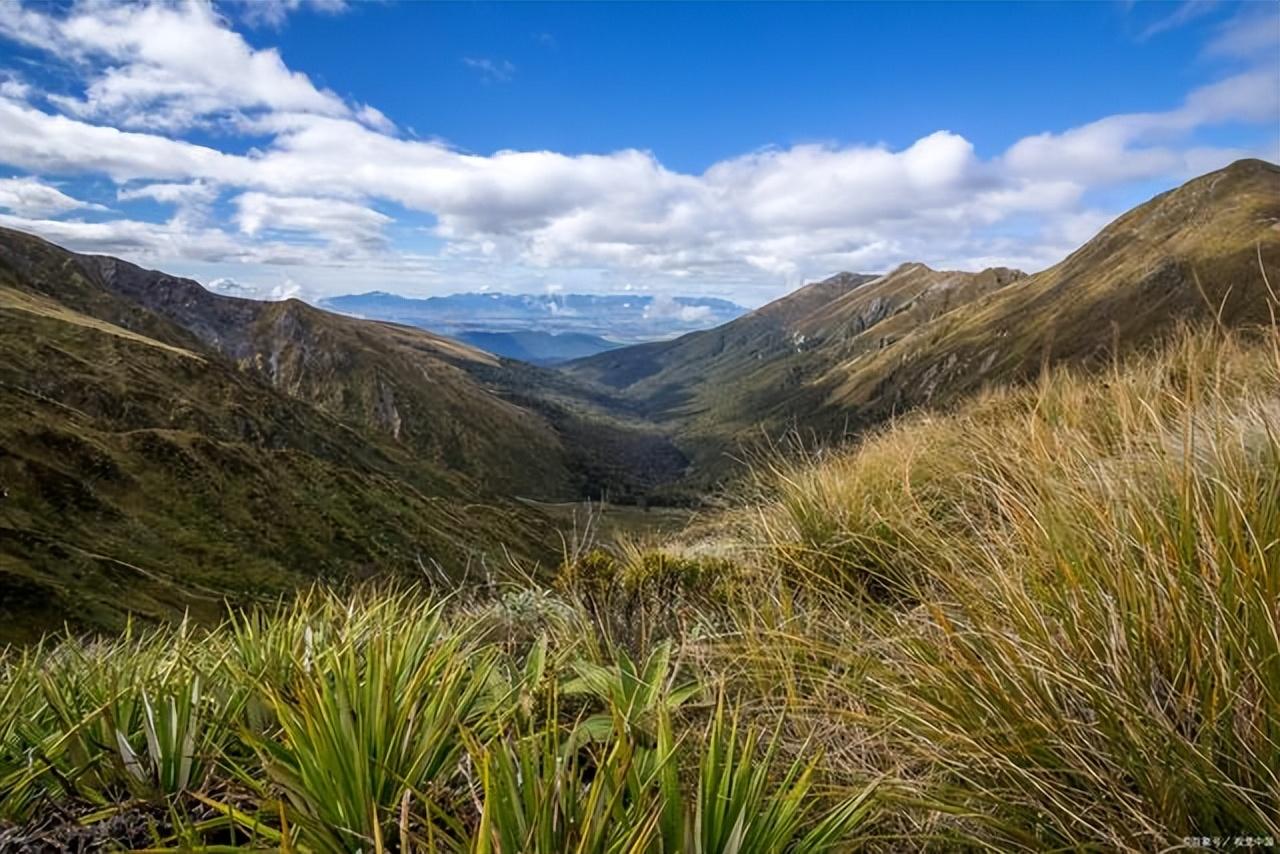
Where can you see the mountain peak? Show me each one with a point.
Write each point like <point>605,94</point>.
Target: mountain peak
<point>1249,166</point>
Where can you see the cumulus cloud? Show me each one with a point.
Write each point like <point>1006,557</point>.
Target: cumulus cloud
<point>666,307</point>
<point>230,287</point>
<point>166,67</point>
<point>313,189</point>
<point>335,220</point>
<point>272,290</point>
<point>287,289</point>
<point>30,197</point>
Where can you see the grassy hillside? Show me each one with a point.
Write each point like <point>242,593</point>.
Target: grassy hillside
<point>1201,251</point>
<point>140,476</point>
<point>842,355</point>
<point>1052,613</point>
<point>162,447</point>
<point>1045,621</point>
<point>759,375</point>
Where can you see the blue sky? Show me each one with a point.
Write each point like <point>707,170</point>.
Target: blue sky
<point>310,148</point>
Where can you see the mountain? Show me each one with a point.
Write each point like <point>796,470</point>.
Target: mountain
<point>1200,253</point>
<point>849,352</point>
<point>162,446</point>
<point>539,348</point>
<point>626,318</point>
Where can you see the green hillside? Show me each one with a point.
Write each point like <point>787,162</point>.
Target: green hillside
<point>445,402</point>
<point>162,447</point>
<point>143,477</point>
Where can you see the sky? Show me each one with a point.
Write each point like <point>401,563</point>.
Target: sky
<point>316,147</point>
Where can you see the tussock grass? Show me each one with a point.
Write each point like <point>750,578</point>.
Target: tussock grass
<point>1070,598</point>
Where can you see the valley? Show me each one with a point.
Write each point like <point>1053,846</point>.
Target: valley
<point>164,446</point>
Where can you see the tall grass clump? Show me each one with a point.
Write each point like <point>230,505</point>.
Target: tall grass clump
<point>638,593</point>
<point>1084,642</point>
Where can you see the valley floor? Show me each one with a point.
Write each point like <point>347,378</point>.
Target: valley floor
<point>605,523</point>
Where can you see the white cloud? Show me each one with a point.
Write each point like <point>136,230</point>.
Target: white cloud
<point>41,141</point>
<point>287,289</point>
<point>492,70</point>
<point>1184,13</point>
<point>32,198</point>
<point>229,287</point>
<point>167,67</point>
<point>375,119</point>
<point>195,192</point>
<point>132,238</point>
<point>13,87</point>
<point>272,13</point>
<point>337,221</point>
<point>1138,145</point>
<point>271,290</point>
<point>192,202</point>
<point>666,307</point>
<point>1254,32</point>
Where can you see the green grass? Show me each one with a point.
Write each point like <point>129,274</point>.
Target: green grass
<point>1049,620</point>
<point>390,721</point>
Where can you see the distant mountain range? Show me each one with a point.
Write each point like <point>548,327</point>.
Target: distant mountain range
<point>550,327</point>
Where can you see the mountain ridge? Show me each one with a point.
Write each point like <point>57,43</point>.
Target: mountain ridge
<point>162,447</point>
<point>141,478</point>
<point>449,402</point>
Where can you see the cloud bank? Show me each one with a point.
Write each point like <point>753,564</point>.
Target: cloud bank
<point>333,178</point>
